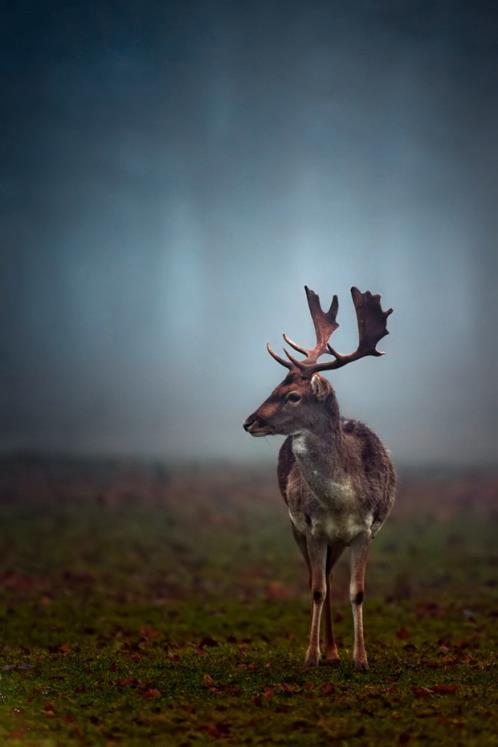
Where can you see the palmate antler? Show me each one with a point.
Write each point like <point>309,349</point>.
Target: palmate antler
<point>371,328</point>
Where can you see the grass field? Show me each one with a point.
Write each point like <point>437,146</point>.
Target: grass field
<point>141,604</point>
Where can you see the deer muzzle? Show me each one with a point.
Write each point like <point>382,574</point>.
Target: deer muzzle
<point>257,426</point>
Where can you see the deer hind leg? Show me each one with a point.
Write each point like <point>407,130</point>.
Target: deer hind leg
<point>317,554</point>
<point>359,557</point>
<point>331,652</point>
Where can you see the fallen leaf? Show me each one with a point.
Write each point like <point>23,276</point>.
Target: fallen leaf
<point>276,590</point>
<point>421,692</point>
<point>18,733</point>
<point>403,634</point>
<point>249,667</point>
<point>328,688</point>
<point>299,723</point>
<point>208,642</point>
<point>290,688</point>
<point>130,682</point>
<point>147,631</point>
<point>151,692</point>
<point>444,689</point>
<point>125,681</point>
<point>217,730</point>
<point>49,709</point>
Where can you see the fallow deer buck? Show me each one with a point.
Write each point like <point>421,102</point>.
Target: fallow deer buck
<point>334,474</point>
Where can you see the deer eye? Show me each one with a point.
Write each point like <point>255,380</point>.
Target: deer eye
<point>293,397</point>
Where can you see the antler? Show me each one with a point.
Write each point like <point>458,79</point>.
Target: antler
<point>372,327</point>
<point>324,323</point>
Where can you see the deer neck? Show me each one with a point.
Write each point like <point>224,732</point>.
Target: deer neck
<point>319,453</point>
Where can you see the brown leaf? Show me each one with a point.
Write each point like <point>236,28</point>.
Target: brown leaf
<point>218,730</point>
<point>125,681</point>
<point>328,688</point>
<point>151,692</point>
<point>207,680</point>
<point>276,590</point>
<point>208,642</point>
<point>421,692</point>
<point>249,667</point>
<point>290,688</point>
<point>49,709</point>
<point>18,733</point>
<point>403,634</point>
<point>299,723</point>
<point>444,689</point>
<point>148,632</point>
<point>130,682</point>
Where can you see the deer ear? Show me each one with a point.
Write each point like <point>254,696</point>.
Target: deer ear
<point>319,386</point>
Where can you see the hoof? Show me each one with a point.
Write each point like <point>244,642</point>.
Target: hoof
<point>312,660</point>
<point>361,666</point>
<point>331,661</point>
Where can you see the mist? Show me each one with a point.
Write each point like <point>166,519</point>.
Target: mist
<point>175,173</point>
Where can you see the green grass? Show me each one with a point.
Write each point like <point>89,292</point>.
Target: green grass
<point>175,612</point>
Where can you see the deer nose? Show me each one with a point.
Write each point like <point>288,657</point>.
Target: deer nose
<point>252,420</point>
<point>247,424</point>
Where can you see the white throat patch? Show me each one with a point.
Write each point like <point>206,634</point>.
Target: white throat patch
<point>299,444</point>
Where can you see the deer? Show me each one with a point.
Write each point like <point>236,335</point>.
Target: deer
<point>334,474</point>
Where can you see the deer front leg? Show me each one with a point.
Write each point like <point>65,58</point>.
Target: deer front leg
<point>359,557</point>
<point>317,554</point>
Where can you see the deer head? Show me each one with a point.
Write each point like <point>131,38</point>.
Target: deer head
<point>298,401</point>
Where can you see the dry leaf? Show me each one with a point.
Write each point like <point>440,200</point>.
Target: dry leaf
<point>151,692</point>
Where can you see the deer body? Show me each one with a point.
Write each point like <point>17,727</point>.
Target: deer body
<point>340,494</point>
<point>334,474</point>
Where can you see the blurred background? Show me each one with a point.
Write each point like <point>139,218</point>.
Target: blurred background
<point>173,175</point>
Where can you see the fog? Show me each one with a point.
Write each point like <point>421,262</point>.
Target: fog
<point>175,173</point>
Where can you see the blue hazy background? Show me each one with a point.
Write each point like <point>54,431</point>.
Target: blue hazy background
<point>173,173</point>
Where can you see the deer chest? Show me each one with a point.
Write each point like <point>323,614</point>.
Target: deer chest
<point>332,511</point>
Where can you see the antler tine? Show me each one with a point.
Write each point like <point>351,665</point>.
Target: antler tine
<point>280,360</point>
<point>295,362</point>
<point>294,345</point>
<point>372,321</point>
